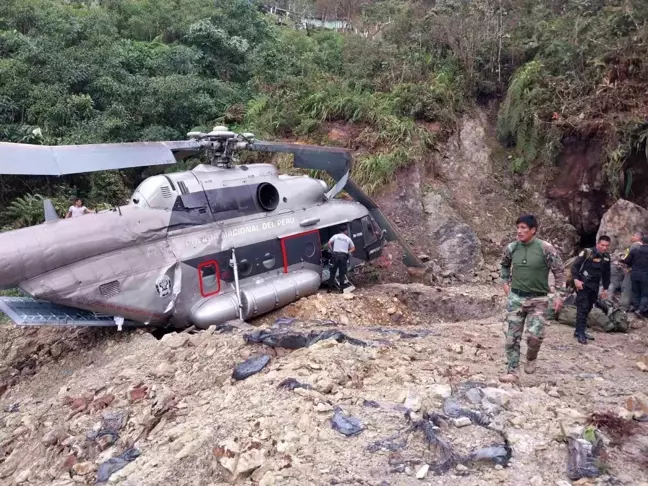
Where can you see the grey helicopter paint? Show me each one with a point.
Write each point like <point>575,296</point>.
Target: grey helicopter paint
<point>199,247</point>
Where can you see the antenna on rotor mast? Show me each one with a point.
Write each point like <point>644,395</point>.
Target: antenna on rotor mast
<point>221,143</point>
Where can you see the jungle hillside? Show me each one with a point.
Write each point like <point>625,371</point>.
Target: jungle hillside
<point>551,72</point>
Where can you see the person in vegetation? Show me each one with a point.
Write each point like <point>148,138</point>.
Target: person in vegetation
<point>525,270</point>
<point>590,268</point>
<point>77,209</point>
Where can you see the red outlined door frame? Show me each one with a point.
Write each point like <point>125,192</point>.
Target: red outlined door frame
<point>284,254</point>
<point>200,280</point>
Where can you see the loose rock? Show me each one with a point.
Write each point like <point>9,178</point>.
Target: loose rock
<point>441,391</point>
<point>413,401</point>
<point>474,395</point>
<point>536,481</point>
<point>84,468</point>
<point>497,396</point>
<point>175,340</point>
<point>23,476</point>
<point>268,479</point>
<point>461,422</point>
<point>249,461</point>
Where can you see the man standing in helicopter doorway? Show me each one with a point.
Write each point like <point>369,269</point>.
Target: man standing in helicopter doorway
<point>341,246</point>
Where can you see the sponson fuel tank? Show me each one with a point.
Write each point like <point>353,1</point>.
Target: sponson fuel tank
<point>258,299</point>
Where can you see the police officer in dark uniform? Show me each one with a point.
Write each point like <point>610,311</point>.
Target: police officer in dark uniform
<point>591,266</point>
<point>637,260</point>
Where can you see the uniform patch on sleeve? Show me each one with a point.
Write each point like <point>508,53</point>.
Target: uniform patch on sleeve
<point>582,253</point>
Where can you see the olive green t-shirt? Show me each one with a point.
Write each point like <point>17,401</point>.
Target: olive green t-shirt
<point>529,268</point>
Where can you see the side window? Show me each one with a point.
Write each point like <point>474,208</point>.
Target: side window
<point>368,230</point>
<point>244,267</point>
<point>209,278</point>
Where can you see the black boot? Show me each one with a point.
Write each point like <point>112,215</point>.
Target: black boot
<point>588,336</point>
<point>582,339</point>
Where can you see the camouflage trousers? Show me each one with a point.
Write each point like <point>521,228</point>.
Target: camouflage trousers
<point>521,310</point>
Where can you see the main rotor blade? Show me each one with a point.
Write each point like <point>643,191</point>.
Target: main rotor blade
<point>410,260</point>
<point>335,161</point>
<point>26,159</point>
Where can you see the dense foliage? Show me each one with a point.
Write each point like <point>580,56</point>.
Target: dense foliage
<point>82,71</point>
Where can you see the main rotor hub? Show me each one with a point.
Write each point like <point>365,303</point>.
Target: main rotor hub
<point>221,143</point>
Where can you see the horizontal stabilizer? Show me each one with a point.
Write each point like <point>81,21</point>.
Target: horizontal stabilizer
<point>25,311</point>
<point>27,159</point>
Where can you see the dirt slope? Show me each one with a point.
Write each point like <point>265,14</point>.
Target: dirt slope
<point>175,402</point>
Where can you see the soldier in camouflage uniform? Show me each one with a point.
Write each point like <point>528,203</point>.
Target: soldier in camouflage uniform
<point>525,274</point>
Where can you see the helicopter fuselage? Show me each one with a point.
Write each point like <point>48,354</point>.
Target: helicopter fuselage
<point>198,247</point>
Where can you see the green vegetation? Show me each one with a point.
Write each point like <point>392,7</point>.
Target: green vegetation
<point>88,71</point>
<point>583,75</point>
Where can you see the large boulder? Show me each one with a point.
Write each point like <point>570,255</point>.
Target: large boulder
<point>455,243</point>
<point>620,221</point>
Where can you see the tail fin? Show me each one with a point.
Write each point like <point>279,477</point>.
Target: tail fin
<point>50,212</point>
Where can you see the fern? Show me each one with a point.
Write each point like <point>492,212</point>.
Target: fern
<point>518,120</point>
<point>642,142</point>
<point>25,211</point>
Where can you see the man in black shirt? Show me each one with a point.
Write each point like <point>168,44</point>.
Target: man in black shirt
<point>637,260</point>
<point>591,266</point>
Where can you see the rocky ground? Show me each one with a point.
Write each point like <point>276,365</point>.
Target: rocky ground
<point>73,399</point>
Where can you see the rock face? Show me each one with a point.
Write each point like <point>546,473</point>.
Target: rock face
<point>620,221</point>
<point>459,206</point>
<point>451,238</point>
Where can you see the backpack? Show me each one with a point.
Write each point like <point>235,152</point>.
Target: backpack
<point>569,280</point>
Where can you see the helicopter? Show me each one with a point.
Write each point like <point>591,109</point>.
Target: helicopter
<point>222,241</point>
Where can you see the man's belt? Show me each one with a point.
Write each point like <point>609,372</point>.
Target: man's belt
<point>522,293</point>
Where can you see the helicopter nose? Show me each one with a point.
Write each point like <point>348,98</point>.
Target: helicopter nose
<point>12,270</point>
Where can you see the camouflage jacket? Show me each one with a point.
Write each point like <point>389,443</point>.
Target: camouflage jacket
<point>533,262</point>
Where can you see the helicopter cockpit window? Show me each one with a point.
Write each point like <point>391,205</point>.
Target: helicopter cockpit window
<point>209,276</point>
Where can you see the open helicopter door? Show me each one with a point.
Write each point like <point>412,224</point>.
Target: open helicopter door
<point>366,236</point>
